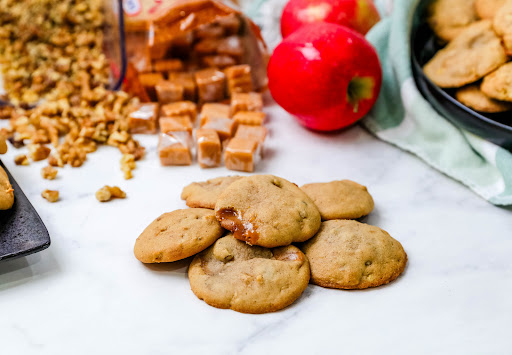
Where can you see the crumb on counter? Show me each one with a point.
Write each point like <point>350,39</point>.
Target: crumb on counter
<point>107,193</point>
<point>49,172</point>
<point>21,159</point>
<point>50,195</point>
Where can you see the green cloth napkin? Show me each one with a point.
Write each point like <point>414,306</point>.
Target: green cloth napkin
<point>403,117</point>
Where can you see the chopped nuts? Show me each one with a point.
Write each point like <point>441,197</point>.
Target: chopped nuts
<point>50,195</point>
<point>21,159</point>
<point>38,152</point>
<point>106,193</point>
<point>127,165</point>
<point>49,173</point>
<point>3,145</point>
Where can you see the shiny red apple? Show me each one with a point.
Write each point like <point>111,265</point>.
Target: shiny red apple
<point>359,15</point>
<point>327,75</point>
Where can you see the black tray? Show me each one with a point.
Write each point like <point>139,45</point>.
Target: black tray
<point>21,230</point>
<point>492,127</point>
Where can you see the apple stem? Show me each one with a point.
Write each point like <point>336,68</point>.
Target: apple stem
<point>359,88</point>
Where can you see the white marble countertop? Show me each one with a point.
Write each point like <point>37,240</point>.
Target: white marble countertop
<point>87,294</point>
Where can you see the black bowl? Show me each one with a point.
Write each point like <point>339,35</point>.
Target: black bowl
<point>490,126</point>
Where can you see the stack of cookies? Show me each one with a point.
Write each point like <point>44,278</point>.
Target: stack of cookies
<point>259,240</point>
<point>475,60</point>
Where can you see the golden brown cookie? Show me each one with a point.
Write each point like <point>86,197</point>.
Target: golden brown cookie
<point>486,9</point>
<point>502,24</point>
<point>6,191</point>
<point>498,84</point>
<point>474,53</point>
<point>232,274</point>
<point>268,211</point>
<point>343,199</point>
<point>177,235</point>
<point>448,18</point>
<point>474,98</point>
<point>204,194</point>
<point>351,255</point>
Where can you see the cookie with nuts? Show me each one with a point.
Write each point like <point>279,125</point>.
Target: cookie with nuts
<point>231,274</point>
<point>347,254</point>
<point>177,235</point>
<point>268,211</point>
<point>6,191</point>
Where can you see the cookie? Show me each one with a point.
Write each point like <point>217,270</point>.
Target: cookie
<point>177,235</point>
<point>268,211</point>
<point>234,275</point>
<point>6,191</point>
<point>487,9</point>
<point>502,24</point>
<point>448,18</point>
<point>498,84</point>
<point>343,199</point>
<point>474,53</point>
<point>204,194</point>
<point>351,255</point>
<point>474,98</point>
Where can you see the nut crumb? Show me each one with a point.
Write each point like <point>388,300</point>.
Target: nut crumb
<point>21,159</point>
<point>49,173</point>
<point>38,152</point>
<point>50,195</point>
<point>127,165</point>
<point>3,145</point>
<point>107,193</point>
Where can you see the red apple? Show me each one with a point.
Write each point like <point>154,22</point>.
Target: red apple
<point>327,75</point>
<point>359,15</point>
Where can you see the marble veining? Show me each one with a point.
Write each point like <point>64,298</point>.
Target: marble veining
<point>88,294</point>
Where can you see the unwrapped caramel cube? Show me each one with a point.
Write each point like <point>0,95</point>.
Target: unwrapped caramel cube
<point>174,149</point>
<point>251,101</point>
<point>209,148</point>
<point>218,61</point>
<point>239,79</point>
<point>214,110</point>
<point>231,46</point>
<point>212,30</point>
<point>188,82</point>
<point>169,91</point>
<point>256,133</point>
<point>149,81</point>
<point>207,46</point>
<point>210,85</point>
<point>225,127</point>
<point>241,154</point>
<point>180,108</point>
<point>144,119</point>
<point>231,24</point>
<point>251,118</point>
<point>168,65</point>
<point>176,124</point>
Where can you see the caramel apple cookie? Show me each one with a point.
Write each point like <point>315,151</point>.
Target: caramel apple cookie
<point>205,194</point>
<point>268,211</point>
<point>502,24</point>
<point>474,53</point>
<point>6,191</point>
<point>234,275</point>
<point>474,98</point>
<point>177,235</point>
<point>487,9</point>
<point>347,254</point>
<point>498,84</point>
<point>448,18</point>
<point>343,199</point>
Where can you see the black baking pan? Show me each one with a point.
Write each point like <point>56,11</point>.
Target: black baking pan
<point>495,127</point>
<point>21,230</point>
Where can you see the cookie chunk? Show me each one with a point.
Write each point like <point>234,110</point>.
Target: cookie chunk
<point>232,274</point>
<point>177,235</point>
<point>502,24</point>
<point>474,53</point>
<point>474,98</point>
<point>205,194</point>
<point>351,255</point>
<point>487,9</point>
<point>448,18</point>
<point>343,199</point>
<point>6,191</point>
<point>268,211</point>
<point>498,84</point>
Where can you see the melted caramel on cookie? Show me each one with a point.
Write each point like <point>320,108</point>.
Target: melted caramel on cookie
<point>232,220</point>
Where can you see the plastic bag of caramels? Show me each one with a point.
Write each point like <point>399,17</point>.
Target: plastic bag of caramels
<point>197,50</point>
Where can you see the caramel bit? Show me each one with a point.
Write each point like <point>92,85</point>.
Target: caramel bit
<point>50,195</point>
<point>232,220</point>
<point>282,254</point>
<point>49,173</point>
<point>107,193</point>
